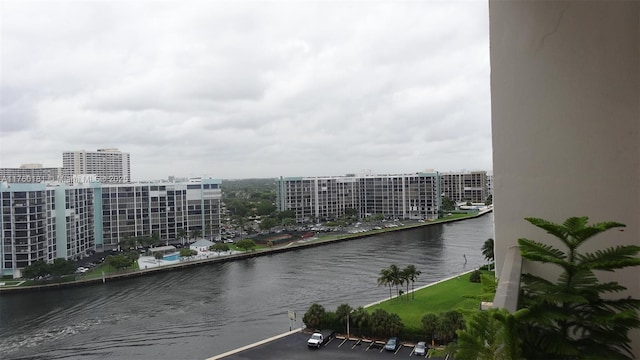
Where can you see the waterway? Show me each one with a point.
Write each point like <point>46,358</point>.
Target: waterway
<point>200,312</point>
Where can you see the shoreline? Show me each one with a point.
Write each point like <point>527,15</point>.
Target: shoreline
<point>291,246</point>
<point>302,329</point>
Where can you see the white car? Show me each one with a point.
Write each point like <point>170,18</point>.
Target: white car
<point>81,270</point>
<point>420,349</point>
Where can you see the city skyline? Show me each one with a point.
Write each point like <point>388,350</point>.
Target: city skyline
<point>248,90</point>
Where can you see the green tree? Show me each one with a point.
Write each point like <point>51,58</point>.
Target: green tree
<point>287,222</point>
<point>397,280</point>
<point>350,212</point>
<point>384,279</point>
<point>570,318</point>
<point>62,267</point>
<point>342,313</point>
<point>314,316</point>
<point>450,322</point>
<point>430,324</point>
<point>182,234</point>
<point>489,200</point>
<point>378,321</point>
<point>128,243</point>
<point>158,255</point>
<point>286,214</point>
<point>487,250</point>
<point>188,252</point>
<point>196,233</point>
<point>265,208</point>
<point>448,204</point>
<point>36,269</point>
<point>360,318</point>
<point>246,244</point>
<point>491,334</point>
<point>411,273</point>
<point>133,255</point>
<point>219,247</point>
<point>118,261</point>
<point>268,223</point>
<point>207,231</point>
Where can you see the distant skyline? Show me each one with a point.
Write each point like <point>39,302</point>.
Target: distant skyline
<point>243,89</point>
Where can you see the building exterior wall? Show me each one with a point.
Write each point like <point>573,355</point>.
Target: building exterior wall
<point>465,186</point>
<point>30,174</point>
<point>131,210</point>
<point>44,222</point>
<point>566,123</point>
<point>405,196</point>
<point>109,165</point>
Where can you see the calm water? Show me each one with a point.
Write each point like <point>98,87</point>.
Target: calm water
<point>200,312</point>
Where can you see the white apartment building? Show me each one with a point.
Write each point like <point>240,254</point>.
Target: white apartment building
<point>143,209</point>
<point>109,165</point>
<point>403,196</point>
<point>30,173</point>
<point>58,220</point>
<point>43,222</point>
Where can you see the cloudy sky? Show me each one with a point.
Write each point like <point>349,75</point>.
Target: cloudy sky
<point>238,89</point>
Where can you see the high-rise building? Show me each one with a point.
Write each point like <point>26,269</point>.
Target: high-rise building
<point>109,165</point>
<point>60,220</point>
<point>30,173</point>
<point>161,209</point>
<point>403,196</point>
<point>465,186</point>
<point>42,222</point>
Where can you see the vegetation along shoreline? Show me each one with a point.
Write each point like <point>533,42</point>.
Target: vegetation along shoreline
<point>294,245</point>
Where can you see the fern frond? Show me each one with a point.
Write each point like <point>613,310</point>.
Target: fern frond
<point>611,258</point>
<point>554,229</point>
<point>535,251</point>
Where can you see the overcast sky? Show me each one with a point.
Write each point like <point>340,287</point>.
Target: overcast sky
<point>239,89</point>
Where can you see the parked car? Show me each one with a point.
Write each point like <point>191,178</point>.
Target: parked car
<point>391,344</point>
<point>420,349</point>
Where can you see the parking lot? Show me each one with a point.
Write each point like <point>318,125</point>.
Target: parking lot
<point>294,346</point>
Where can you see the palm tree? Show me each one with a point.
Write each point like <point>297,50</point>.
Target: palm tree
<point>450,322</point>
<point>489,335</point>
<point>314,316</point>
<point>570,318</point>
<point>342,313</point>
<point>196,233</point>
<point>360,318</point>
<point>182,234</point>
<point>395,275</point>
<point>379,321</point>
<point>487,250</point>
<point>411,273</point>
<point>430,324</point>
<point>385,280</point>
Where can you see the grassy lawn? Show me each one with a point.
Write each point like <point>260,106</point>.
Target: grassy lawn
<point>445,296</point>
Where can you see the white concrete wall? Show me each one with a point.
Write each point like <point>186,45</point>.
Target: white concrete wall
<point>566,121</point>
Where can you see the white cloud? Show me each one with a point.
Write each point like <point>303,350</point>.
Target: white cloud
<point>248,89</point>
